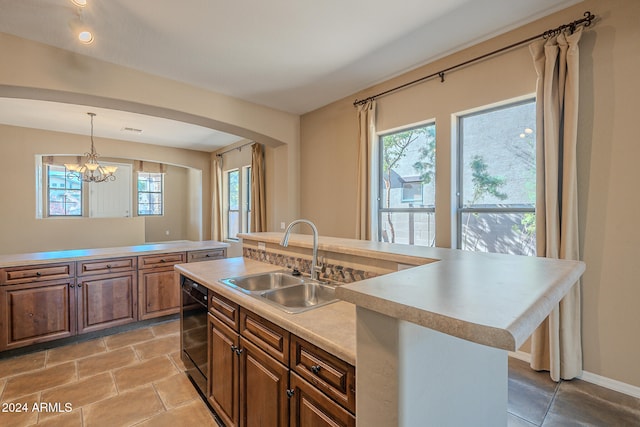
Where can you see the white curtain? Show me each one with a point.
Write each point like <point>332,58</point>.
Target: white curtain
<point>216,199</point>
<point>366,133</point>
<point>556,345</point>
<point>258,197</point>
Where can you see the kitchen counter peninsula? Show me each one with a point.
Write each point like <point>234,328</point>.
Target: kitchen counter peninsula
<point>432,341</point>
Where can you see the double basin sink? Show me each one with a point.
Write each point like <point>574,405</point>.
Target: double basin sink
<point>292,294</point>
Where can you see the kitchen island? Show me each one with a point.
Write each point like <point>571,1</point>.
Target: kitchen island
<point>432,341</point>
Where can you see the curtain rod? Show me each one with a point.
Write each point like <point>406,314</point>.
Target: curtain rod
<point>239,148</point>
<point>588,17</point>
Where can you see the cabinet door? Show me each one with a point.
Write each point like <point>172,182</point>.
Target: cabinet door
<point>223,371</point>
<point>106,300</point>
<point>311,408</point>
<point>36,312</point>
<point>158,293</point>
<point>263,388</point>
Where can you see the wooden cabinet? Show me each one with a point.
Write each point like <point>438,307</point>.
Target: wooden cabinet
<point>262,375</point>
<point>223,377</point>
<point>206,255</point>
<point>37,312</point>
<point>309,407</point>
<point>158,290</point>
<point>264,383</point>
<point>106,300</point>
<point>247,385</point>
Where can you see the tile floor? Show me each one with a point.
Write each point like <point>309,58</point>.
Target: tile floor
<point>135,378</point>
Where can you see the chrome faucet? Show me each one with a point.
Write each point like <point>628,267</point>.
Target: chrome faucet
<point>285,243</point>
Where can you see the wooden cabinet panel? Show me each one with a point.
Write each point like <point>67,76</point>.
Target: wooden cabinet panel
<point>206,255</point>
<point>263,388</point>
<point>266,335</point>
<point>36,273</point>
<point>223,378</point>
<point>158,293</point>
<point>224,309</point>
<point>37,312</point>
<point>106,300</point>
<point>311,408</point>
<point>330,374</point>
<point>106,266</point>
<point>161,260</point>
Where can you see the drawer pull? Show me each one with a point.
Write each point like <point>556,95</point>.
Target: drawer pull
<point>109,266</point>
<point>316,369</point>
<point>38,274</point>
<point>163,260</point>
<point>290,393</point>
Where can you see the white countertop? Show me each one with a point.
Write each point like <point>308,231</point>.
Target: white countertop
<point>330,327</point>
<point>84,254</point>
<point>490,299</point>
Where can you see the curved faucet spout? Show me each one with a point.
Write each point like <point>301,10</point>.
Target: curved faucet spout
<point>285,242</point>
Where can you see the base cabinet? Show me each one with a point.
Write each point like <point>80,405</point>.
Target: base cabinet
<point>37,312</point>
<point>106,300</point>
<point>311,408</point>
<point>252,379</point>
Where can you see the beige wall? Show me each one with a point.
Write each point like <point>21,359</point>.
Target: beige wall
<point>607,155</point>
<point>37,71</point>
<point>21,231</point>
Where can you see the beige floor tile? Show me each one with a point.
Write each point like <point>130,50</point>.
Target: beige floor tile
<point>20,411</point>
<point>158,347</point>
<point>175,358</point>
<point>71,419</point>
<point>176,390</point>
<point>81,393</point>
<point>106,361</point>
<point>128,338</point>
<point>167,328</point>
<point>43,379</point>
<point>144,372</point>
<point>125,409</point>
<point>75,351</point>
<point>194,413</point>
<point>22,364</point>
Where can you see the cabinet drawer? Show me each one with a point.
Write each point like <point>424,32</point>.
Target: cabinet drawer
<point>207,255</point>
<point>225,310</point>
<point>266,335</point>
<point>36,273</point>
<point>161,260</point>
<point>106,266</point>
<point>330,374</point>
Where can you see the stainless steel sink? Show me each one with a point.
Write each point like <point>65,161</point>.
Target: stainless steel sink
<point>293,294</point>
<point>299,298</point>
<point>263,281</point>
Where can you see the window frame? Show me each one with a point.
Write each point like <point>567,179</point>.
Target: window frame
<point>459,195</point>
<point>161,192</point>
<point>378,211</point>
<point>49,188</point>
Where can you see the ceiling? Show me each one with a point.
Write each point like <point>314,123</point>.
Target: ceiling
<point>290,55</point>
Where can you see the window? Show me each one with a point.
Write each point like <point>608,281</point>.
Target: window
<point>497,179</point>
<point>237,201</point>
<point>64,194</point>
<point>406,190</point>
<point>150,193</point>
<point>233,204</point>
<point>247,198</point>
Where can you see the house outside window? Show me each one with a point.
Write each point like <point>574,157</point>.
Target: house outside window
<point>406,188</point>
<point>497,179</point>
<point>233,203</point>
<point>64,194</point>
<point>150,194</point>
<point>237,201</point>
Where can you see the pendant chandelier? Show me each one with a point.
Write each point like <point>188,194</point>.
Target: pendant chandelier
<point>91,170</point>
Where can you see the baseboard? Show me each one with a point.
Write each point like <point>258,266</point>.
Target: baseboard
<point>598,380</point>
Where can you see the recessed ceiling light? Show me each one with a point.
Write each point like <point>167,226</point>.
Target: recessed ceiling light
<point>79,3</point>
<point>85,37</point>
